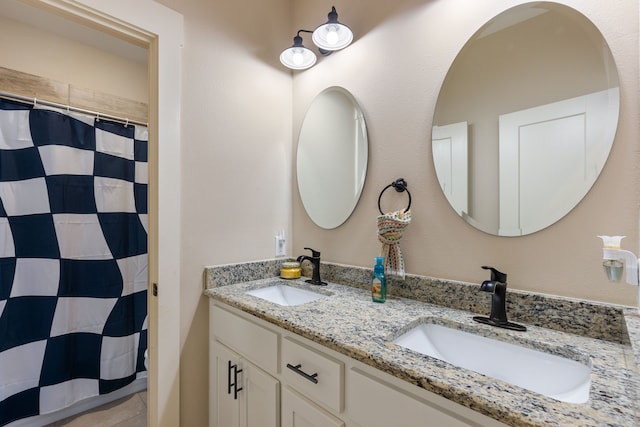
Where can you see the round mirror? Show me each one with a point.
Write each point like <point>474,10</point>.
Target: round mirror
<point>332,157</point>
<point>525,119</point>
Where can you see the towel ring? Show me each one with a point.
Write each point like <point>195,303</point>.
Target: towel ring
<point>400,185</point>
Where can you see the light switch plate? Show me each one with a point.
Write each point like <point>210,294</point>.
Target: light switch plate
<point>281,244</point>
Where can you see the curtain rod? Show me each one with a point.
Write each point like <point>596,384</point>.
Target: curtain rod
<point>98,115</point>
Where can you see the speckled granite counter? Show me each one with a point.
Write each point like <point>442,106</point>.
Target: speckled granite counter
<point>348,322</point>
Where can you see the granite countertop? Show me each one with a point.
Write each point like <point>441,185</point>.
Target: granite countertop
<point>350,323</point>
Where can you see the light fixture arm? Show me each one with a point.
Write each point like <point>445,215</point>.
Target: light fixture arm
<point>297,41</point>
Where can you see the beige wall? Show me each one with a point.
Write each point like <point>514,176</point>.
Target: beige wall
<point>238,123</point>
<point>236,156</point>
<point>394,68</point>
<point>239,120</point>
<point>35,51</point>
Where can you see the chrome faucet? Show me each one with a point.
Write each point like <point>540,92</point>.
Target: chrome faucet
<point>315,262</point>
<point>498,287</point>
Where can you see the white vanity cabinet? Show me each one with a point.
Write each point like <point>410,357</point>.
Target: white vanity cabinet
<point>298,411</point>
<point>317,375</point>
<point>377,402</point>
<point>243,358</point>
<point>308,385</point>
<point>249,397</point>
<point>313,378</point>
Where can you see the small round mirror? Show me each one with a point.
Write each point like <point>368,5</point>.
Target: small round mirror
<point>332,157</point>
<point>525,119</point>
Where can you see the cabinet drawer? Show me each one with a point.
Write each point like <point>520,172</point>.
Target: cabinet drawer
<point>313,373</point>
<point>254,342</point>
<point>375,403</point>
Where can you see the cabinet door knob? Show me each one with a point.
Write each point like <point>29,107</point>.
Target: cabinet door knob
<point>313,377</point>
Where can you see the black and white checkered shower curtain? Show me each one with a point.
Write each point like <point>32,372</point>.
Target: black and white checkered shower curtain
<point>73,258</point>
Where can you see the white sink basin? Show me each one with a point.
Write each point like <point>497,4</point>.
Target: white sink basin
<point>286,295</point>
<point>553,376</point>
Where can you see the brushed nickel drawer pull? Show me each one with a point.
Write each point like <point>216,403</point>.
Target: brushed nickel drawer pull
<point>313,378</point>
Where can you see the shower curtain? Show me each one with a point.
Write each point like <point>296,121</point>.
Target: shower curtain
<point>73,258</point>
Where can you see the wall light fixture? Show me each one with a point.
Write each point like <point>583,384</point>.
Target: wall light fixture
<point>329,37</point>
<point>298,57</point>
<point>332,35</point>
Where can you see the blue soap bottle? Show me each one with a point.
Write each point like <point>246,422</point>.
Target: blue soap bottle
<point>379,282</point>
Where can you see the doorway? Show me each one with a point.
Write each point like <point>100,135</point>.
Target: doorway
<point>159,30</point>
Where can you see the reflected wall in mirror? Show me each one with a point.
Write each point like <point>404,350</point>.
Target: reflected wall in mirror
<point>332,157</point>
<point>525,119</point>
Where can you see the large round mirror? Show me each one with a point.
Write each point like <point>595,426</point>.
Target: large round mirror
<point>332,157</point>
<point>525,119</point>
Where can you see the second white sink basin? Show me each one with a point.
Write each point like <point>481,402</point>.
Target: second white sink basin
<point>286,295</point>
<point>554,376</point>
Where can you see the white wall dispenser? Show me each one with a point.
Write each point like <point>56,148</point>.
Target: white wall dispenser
<point>617,260</point>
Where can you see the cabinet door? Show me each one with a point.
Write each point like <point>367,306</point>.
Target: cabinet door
<point>260,401</point>
<point>299,412</point>
<point>225,410</point>
<point>254,342</point>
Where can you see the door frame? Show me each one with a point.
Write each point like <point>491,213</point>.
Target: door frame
<point>159,29</point>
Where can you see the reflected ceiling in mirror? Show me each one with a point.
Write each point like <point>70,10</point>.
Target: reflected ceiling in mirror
<point>331,161</point>
<point>525,119</point>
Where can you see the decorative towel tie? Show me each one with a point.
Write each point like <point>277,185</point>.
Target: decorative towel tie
<point>391,227</point>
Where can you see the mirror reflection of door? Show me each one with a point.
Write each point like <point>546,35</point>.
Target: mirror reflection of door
<point>550,157</point>
<point>532,55</point>
<point>450,156</point>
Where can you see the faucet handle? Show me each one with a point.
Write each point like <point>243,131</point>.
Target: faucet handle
<point>496,275</point>
<point>314,253</point>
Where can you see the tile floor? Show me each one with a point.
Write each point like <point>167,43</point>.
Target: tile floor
<point>130,411</point>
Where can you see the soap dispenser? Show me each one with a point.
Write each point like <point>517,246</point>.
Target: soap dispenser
<point>379,282</point>
<point>615,260</point>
